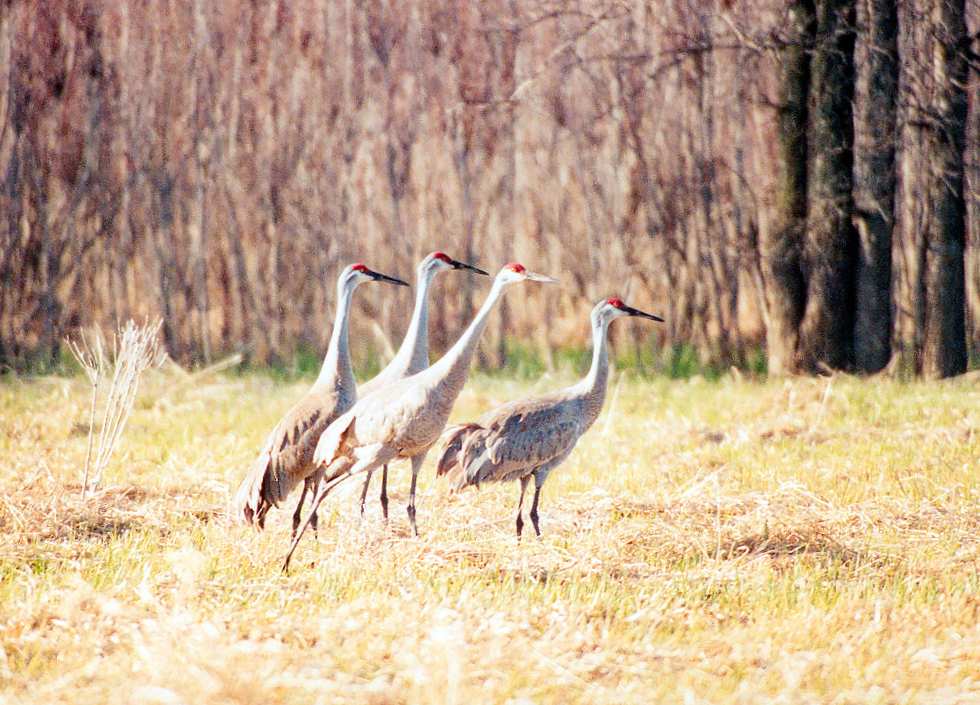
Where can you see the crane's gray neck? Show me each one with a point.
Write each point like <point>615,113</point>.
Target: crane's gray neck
<point>337,371</point>
<point>455,364</point>
<point>593,386</point>
<point>413,354</point>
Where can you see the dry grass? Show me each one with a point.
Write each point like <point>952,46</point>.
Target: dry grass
<point>730,542</point>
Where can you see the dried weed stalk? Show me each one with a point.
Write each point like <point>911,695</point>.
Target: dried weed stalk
<point>135,349</point>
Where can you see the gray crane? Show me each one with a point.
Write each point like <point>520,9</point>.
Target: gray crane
<point>404,419</point>
<point>413,354</point>
<point>286,457</point>
<point>531,437</point>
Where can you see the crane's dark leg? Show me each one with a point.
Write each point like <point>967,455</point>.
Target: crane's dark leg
<point>384,492</point>
<point>317,498</point>
<point>534,505</point>
<point>298,514</point>
<point>314,519</point>
<point>520,505</point>
<point>416,466</point>
<point>367,482</point>
<point>365,464</point>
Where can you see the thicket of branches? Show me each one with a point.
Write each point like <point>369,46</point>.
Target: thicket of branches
<point>216,163</point>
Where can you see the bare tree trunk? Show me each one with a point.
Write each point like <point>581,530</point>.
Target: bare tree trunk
<point>912,207</point>
<point>944,353</point>
<point>199,250</point>
<point>782,244</point>
<point>274,309</point>
<point>874,188</point>
<point>828,320</point>
<point>163,247</point>
<point>13,205</point>
<point>511,46</point>
<point>714,236</point>
<point>49,267</point>
<point>972,197</point>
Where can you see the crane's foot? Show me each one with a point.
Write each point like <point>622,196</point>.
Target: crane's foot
<point>384,493</point>
<point>534,505</point>
<point>364,490</point>
<point>520,526</point>
<point>313,525</point>
<point>289,556</point>
<point>411,519</point>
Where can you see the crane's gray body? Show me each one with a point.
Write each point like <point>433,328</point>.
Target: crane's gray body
<point>287,455</point>
<point>413,354</point>
<point>286,458</point>
<point>529,436</point>
<point>519,438</point>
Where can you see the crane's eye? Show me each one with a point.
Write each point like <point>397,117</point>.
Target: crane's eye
<point>358,268</point>
<point>442,256</point>
<point>516,267</point>
<point>615,302</point>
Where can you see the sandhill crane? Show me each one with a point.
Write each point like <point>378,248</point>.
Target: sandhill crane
<point>413,354</point>
<point>287,455</point>
<point>531,437</point>
<point>404,419</point>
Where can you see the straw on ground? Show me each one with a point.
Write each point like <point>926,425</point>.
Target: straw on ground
<point>732,542</point>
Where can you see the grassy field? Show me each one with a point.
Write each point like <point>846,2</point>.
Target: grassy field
<point>792,541</point>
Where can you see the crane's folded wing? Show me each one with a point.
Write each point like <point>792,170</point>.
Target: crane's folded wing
<point>284,459</point>
<point>520,438</point>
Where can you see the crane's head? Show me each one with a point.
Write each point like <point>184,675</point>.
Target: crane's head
<point>358,273</point>
<point>609,309</point>
<point>441,262</point>
<point>517,272</point>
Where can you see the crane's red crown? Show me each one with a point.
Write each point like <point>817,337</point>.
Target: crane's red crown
<point>516,267</point>
<point>615,302</point>
<point>358,268</point>
<point>443,256</point>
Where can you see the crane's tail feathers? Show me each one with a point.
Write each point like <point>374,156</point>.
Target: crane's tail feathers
<point>476,465</point>
<point>263,488</point>
<point>253,500</point>
<point>464,454</point>
<point>453,439</point>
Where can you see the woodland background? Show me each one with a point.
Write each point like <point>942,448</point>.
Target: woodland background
<point>801,175</point>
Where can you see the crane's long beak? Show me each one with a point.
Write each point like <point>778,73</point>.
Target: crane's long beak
<point>456,264</point>
<point>642,314</point>
<point>379,277</point>
<point>543,278</point>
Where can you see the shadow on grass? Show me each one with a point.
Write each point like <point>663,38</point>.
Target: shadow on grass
<point>732,530</point>
<point>94,527</point>
<point>790,544</point>
<point>51,513</point>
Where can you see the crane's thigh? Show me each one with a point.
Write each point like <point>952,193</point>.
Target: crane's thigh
<point>540,475</point>
<point>367,458</point>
